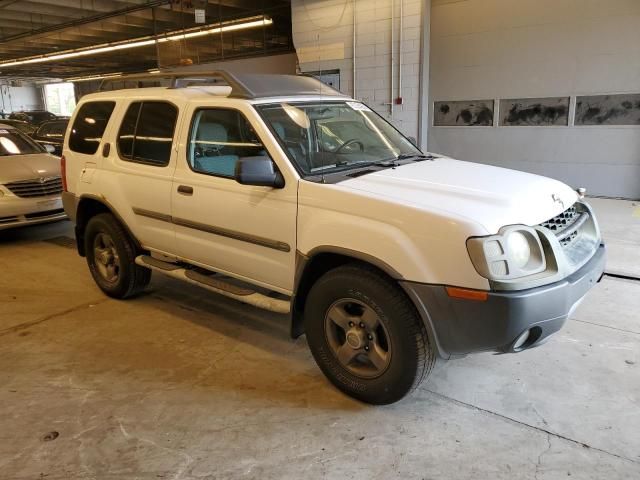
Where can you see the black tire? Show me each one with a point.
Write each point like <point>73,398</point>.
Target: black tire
<point>131,279</point>
<point>411,357</point>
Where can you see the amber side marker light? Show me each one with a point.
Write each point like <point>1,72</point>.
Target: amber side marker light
<point>477,295</point>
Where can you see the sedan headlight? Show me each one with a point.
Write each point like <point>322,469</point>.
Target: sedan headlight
<point>515,252</point>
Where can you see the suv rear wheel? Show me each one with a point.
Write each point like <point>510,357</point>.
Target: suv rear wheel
<point>111,258</point>
<point>366,336</point>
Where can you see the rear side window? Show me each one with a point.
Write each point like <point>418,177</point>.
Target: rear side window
<point>89,125</point>
<point>146,133</point>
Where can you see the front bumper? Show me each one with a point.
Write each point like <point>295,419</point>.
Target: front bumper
<point>460,326</point>
<point>18,211</point>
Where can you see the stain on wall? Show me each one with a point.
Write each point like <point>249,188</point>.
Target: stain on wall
<point>550,111</point>
<point>463,113</point>
<point>618,109</point>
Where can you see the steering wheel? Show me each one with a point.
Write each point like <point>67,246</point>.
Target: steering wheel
<point>352,141</point>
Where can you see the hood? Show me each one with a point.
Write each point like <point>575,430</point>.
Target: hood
<point>490,196</point>
<point>14,168</point>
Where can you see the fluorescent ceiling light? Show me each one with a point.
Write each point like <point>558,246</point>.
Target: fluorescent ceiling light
<point>87,78</point>
<point>176,35</point>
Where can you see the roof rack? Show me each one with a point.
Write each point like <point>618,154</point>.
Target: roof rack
<point>248,86</point>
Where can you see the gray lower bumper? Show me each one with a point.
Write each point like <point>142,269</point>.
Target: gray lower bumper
<point>460,326</point>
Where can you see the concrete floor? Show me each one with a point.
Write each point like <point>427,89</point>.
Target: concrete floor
<point>181,384</point>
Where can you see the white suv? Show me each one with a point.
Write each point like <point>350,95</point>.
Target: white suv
<point>282,193</point>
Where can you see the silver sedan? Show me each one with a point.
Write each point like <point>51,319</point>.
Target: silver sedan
<point>30,182</point>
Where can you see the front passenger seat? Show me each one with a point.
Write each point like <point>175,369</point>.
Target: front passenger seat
<point>214,138</point>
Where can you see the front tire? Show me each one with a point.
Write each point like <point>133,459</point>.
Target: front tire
<point>366,335</point>
<point>111,258</point>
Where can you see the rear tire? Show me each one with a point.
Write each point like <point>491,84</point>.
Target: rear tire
<point>366,335</point>
<point>111,258</point>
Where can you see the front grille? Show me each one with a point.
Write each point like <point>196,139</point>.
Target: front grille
<point>38,187</point>
<point>576,232</point>
<point>562,222</point>
<point>567,226</point>
<point>569,238</point>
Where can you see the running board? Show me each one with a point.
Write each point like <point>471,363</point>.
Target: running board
<point>213,284</point>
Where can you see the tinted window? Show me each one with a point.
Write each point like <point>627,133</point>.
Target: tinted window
<point>127,130</point>
<point>146,133</point>
<point>219,137</point>
<point>89,126</point>
<point>14,142</point>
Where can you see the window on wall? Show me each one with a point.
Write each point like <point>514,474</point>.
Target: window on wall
<point>60,98</point>
<point>89,126</point>
<point>219,137</point>
<point>146,133</point>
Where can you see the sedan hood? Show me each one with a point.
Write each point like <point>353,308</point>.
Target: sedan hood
<point>14,168</point>
<point>490,196</point>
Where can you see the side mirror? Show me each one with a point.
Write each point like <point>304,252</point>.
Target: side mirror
<point>413,141</point>
<point>49,148</point>
<point>258,171</point>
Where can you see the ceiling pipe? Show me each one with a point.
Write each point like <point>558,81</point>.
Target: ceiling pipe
<point>354,51</point>
<point>423,83</point>
<point>400,46</point>
<point>391,49</point>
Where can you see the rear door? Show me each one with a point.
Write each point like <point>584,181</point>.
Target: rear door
<point>139,170</point>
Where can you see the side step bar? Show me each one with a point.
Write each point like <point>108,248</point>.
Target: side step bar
<point>213,284</point>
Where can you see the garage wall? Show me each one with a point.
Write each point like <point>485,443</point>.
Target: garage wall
<point>323,35</point>
<point>20,98</point>
<point>492,49</point>
<point>282,64</point>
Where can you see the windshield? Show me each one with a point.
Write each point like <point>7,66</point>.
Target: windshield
<point>14,142</point>
<point>321,137</point>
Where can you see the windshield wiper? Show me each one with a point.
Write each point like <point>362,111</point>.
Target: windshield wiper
<point>418,157</point>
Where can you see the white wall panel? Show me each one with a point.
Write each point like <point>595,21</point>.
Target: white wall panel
<point>540,48</point>
<point>324,28</point>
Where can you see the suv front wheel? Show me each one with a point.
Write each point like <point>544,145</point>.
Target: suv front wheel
<point>366,335</point>
<point>111,258</point>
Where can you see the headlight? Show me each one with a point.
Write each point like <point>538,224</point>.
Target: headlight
<point>514,253</point>
<point>518,246</point>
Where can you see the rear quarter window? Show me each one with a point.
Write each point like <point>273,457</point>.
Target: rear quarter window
<point>89,126</point>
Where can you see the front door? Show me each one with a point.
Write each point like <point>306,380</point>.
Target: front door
<point>246,231</point>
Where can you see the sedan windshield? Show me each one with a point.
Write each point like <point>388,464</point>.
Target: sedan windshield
<point>321,137</point>
<point>14,142</point>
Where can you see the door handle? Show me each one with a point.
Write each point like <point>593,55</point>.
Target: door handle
<point>185,190</point>
<point>106,148</point>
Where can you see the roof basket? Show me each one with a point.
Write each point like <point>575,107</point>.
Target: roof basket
<point>242,85</point>
<point>183,79</point>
